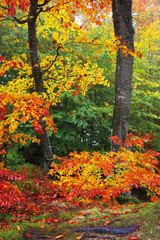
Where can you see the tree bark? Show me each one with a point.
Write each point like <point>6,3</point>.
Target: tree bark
<point>122,19</point>
<point>38,79</point>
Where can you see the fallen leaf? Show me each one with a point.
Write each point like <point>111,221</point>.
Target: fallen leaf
<point>59,236</point>
<point>143,205</point>
<point>133,238</point>
<point>127,212</point>
<point>106,223</point>
<point>80,213</point>
<point>71,221</point>
<point>42,226</point>
<point>115,213</point>
<point>75,223</point>
<point>54,220</point>
<point>28,234</point>
<point>106,216</point>
<point>53,227</point>
<point>18,227</point>
<point>47,236</point>
<point>50,210</point>
<point>135,211</point>
<point>79,237</point>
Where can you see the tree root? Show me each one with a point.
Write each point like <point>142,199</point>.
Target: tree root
<point>109,230</point>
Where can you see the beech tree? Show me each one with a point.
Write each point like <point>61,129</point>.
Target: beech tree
<point>81,73</point>
<point>122,19</point>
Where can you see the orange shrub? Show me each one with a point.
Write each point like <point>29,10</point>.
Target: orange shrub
<point>94,177</point>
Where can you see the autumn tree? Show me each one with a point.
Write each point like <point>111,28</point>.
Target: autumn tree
<point>122,19</point>
<point>44,80</point>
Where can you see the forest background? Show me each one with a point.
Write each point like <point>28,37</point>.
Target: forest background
<point>82,107</point>
<point>57,95</point>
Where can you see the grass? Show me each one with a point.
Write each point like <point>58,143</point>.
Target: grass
<point>60,219</point>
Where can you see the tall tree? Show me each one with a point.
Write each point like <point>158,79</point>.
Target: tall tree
<point>38,77</point>
<point>65,75</point>
<point>122,19</point>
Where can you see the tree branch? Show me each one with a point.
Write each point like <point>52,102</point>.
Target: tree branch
<point>3,7</point>
<point>53,60</point>
<point>20,21</point>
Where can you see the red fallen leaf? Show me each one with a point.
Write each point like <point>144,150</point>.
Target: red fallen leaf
<point>47,236</point>
<point>133,238</point>
<point>42,226</point>
<point>143,205</point>
<point>80,213</point>
<point>28,234</point>
<point>127,212</point>
<point>53,227</point>
<point>105,217</point>
<point>136,211</point>
<point>59,236</point>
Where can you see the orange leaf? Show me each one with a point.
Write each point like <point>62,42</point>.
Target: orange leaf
<point>79,237</point>
<point>71,221</point>
<point>115,213</point>
<point>47,236</point>
<point>80,213</point>
<point>133,238</point>
<point>18,227</point>
<point>106,223</point>
<point>59,236</point>
<point>143,205</point>
<point>54,220</point>
<point>50,210</point>
<point>53,227</point>
<point>42,226</point>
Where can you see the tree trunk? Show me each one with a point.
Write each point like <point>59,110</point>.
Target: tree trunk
<point>38,79</point>
<point>122,19</point>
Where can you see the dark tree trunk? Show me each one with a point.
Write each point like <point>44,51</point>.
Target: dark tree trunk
<point>38,79</point>
<point>122,19</point>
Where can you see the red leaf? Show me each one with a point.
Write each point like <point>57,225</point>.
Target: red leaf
<point>28,234</point>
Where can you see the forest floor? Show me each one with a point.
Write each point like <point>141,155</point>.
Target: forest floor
<point>57,220</point>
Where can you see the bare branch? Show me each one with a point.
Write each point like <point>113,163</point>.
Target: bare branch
<point>53,60</point>
<point>20,21</point>
<point>3,7</point>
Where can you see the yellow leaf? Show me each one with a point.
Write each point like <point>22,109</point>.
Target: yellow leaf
<point>18,227</point>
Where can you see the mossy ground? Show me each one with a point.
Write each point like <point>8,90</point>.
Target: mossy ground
<point>60,219</point>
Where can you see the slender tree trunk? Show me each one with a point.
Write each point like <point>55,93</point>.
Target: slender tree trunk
<point>38,79</point>
<point>122,19</point>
